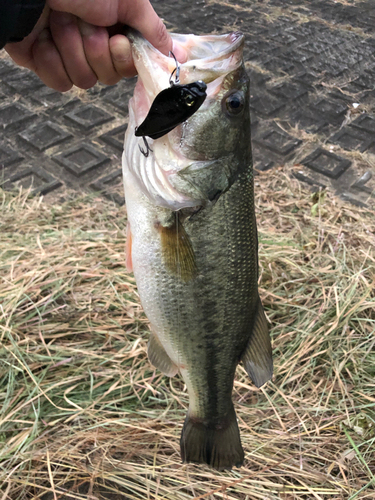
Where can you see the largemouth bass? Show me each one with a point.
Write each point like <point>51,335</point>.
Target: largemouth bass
<point>192,238</point>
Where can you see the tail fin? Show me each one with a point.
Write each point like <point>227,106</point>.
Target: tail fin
<point>216,444</point>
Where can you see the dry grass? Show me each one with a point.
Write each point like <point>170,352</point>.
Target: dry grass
<point>84,415</point>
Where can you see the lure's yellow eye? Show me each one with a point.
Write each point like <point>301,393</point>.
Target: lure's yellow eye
<point>189,100</point>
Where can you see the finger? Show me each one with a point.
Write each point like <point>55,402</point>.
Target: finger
<point>141,16</point>
<point>23,56</point>
<point>98,12</point>
<point>98,55</point>
<point>68,40</point>
<point>46,56</point>
<point>180,53</point>
<point>22,52</point>
<point>121,56</point>
<point>138,14</point>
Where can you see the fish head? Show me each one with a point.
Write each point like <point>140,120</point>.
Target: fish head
<point>219,131</point>
<point>221,127</point>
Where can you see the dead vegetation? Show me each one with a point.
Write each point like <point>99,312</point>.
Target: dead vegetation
<point>83,415</point>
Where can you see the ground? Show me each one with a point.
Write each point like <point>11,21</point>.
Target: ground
<point>312,69</point>
<point>83,415</point>
<point>82,409</point>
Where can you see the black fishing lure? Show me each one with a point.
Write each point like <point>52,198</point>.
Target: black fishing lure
<point>171,107</point>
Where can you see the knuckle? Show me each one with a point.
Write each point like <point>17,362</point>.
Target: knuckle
<point>60,83</point>
<point>62,86</point>
<point>85,82</point>
<point>127,72</point>
<point>112,80</point>
<point>20,57</point>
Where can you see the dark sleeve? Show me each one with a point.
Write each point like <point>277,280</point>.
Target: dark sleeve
<point>18,18</point>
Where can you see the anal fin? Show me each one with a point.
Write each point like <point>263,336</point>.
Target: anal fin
<point>159,358</point>
<point>257,357</point>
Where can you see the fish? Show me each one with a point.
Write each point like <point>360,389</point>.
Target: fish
<point>192,238</point>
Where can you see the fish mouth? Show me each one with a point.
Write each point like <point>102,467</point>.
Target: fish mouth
<point>206,58</point>
<point>209,56</point>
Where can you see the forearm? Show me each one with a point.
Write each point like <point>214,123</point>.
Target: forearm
<point>18,18</point>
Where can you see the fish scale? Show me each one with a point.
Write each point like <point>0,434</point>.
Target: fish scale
<point>196,266</point>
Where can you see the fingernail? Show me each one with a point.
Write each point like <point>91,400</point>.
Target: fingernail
<point>180,53</point>
<point>121,57</point>
<point>120,51</point>
<point>86,29</point>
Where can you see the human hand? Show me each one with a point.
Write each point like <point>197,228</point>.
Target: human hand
<point>77,42</point>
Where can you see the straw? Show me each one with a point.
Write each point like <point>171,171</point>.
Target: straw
<point>83,414</point>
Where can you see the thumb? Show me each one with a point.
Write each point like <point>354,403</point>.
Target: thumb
<point>143,18</point>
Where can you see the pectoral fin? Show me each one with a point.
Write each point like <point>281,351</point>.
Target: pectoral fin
<point>159,358</point>
<point>257,357</point>
<point>178,252</point>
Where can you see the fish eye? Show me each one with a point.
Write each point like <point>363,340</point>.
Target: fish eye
<point>234,103</point>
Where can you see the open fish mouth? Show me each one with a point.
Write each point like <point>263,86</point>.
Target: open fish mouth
<point>207,58</point>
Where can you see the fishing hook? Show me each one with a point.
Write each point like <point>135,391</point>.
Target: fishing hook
<point>148,149</point>
<point>176,70</point>
<point>172,83</point>
<point>171,107</point>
